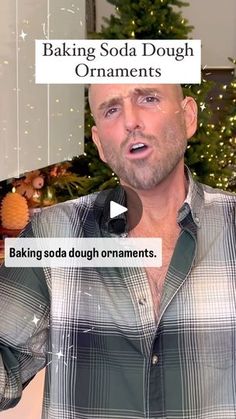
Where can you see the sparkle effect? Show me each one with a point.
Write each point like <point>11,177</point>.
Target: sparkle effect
<point>35,320</point>
<point>23,35</point>
<point>202,106</point>
<point>59,354</point>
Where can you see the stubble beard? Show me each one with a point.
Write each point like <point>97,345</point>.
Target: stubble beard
<point>145,174</point>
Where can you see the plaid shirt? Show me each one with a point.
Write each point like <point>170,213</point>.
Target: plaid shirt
<point>106,356</point>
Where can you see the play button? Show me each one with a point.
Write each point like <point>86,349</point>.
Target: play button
<point>116,209</point>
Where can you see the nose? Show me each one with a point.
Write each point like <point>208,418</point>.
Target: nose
<point>132,117</point>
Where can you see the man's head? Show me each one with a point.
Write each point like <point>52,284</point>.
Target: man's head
<point>141,131</point>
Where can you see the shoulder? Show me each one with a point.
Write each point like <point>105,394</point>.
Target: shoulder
<point>219,204</point>
<point>64,219</point>
<point>214,195</point>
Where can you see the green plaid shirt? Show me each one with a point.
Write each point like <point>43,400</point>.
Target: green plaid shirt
<point>95,328</point>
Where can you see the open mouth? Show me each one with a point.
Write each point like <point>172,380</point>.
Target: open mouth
<point>137,151</point>
<point>137,148</point>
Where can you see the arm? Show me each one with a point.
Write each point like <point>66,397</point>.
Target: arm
<point>24,313</point>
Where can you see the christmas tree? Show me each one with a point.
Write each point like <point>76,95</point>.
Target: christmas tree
<point>145,19</point>
<point>211,152</point>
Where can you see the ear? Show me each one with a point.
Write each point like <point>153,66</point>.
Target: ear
<point>97,142</point>
<point>190,115</point>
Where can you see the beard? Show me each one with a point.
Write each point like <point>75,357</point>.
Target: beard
<point>145,174</point>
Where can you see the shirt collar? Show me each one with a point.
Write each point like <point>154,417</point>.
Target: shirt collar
<point>193,204</point>
<point>194,200</point>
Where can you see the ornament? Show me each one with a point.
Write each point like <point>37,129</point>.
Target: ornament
<point>35,200</point>
<point>31,182</point>
<point>49,197</point>
<point>38,182</point>
<point>14,211</point>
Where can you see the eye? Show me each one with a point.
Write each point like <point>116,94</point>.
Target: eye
<point>151,99</point>
<point>111,111</point>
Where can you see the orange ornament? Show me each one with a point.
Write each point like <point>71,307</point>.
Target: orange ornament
<point>14,211</point>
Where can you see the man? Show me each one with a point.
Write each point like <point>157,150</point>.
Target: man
<point>128,342</point>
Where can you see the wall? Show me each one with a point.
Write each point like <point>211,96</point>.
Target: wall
<point>214,23</point>
<point>39,124</point>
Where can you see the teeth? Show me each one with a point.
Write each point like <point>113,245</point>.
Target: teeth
<point>139,145</point>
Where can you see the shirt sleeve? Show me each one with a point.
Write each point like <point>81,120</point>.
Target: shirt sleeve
<point>24,319</point>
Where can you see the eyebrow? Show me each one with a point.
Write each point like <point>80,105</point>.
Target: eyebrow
<point>117,100</point>
<point>108,103</point>
<point>146,91</point>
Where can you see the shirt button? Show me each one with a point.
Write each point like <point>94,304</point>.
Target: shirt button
<point>155,359</point>
<point>142,301</point>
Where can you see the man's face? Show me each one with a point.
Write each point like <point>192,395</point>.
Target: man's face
<point>141,130</point>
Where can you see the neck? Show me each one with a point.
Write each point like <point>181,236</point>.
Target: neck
<point>161,204</point>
